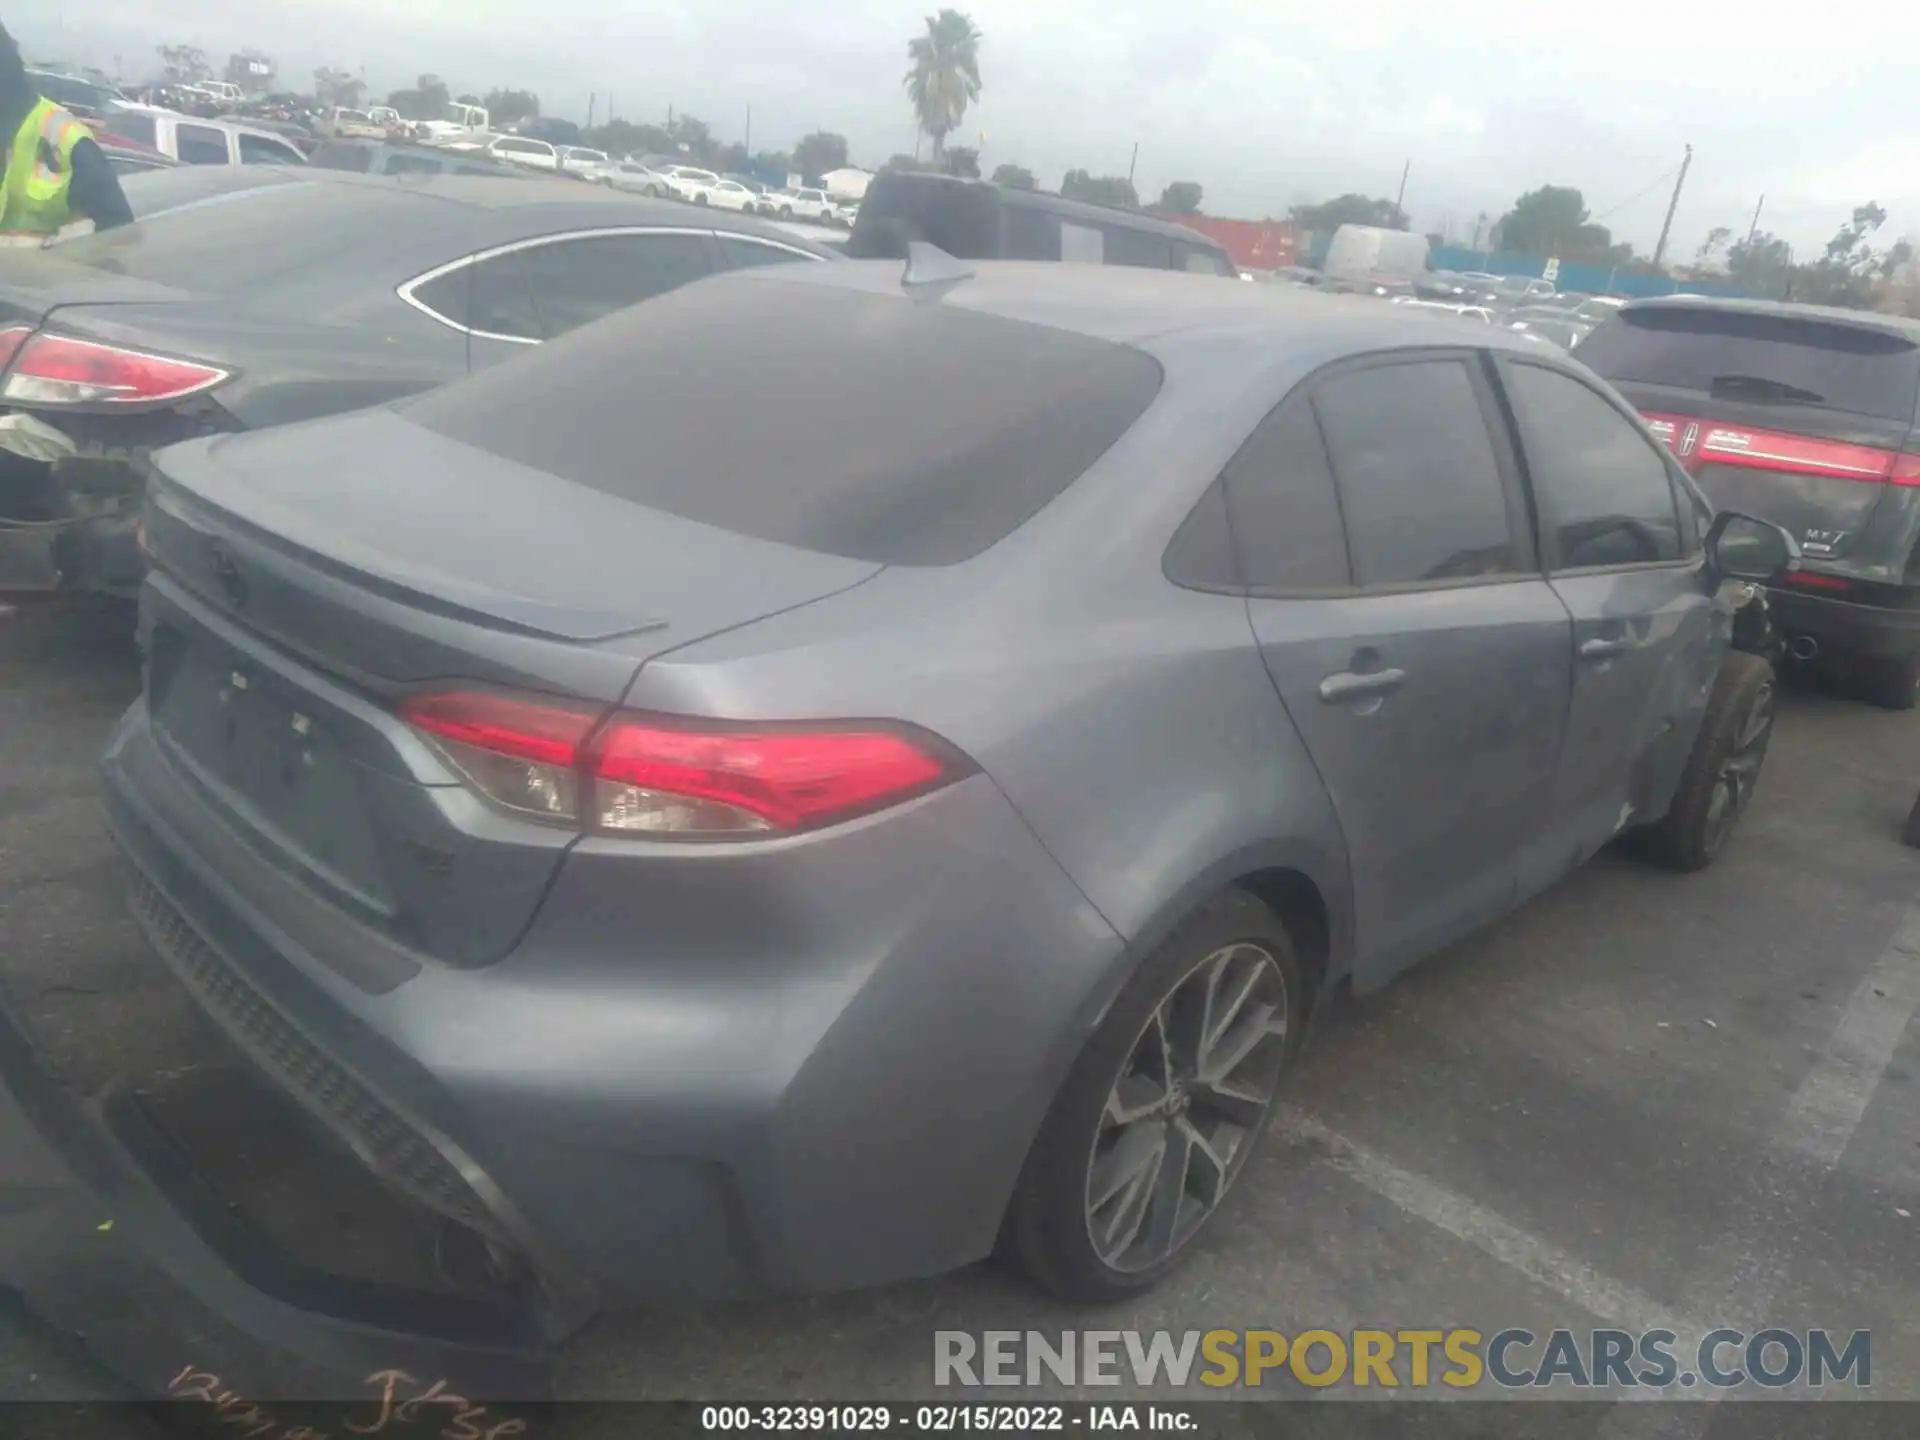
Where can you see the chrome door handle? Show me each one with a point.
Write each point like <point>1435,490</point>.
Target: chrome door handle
<point>1349,685</point>
<point>1604,649</point>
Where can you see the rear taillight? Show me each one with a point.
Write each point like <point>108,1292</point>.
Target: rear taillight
<point>672,777</point>
<point>60,370</point>
<point>1814,580</point>
<point>11,339</point>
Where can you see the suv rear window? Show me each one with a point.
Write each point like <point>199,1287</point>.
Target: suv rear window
<point>1849,367</point>
<point>951,428</point>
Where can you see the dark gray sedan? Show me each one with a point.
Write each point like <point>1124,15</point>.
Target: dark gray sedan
<point>756,859</point>
<point>247,297</point>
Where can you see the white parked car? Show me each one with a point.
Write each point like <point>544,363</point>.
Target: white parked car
<point>519,150</point>
<point>845,212</point>
<point>729,195</point>
<point>194,141</point>
<point>587,164</point>
<point>638,179</point>
<point>458,124</point>
<point>794,204</point>
<point>687,183</point>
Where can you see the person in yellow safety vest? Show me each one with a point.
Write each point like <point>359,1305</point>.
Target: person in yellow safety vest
<point>56,174</point>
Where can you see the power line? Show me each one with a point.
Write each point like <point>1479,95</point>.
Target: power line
<point>1638,196</point>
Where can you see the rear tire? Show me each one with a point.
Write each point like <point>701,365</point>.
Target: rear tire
<point>1722,769</point>
<point>1890,684</point>
<point>1159,1072</point>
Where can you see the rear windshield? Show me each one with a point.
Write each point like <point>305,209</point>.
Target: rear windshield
<point>1863,371</point>
<point>227,241</point>
<point>866,426</point>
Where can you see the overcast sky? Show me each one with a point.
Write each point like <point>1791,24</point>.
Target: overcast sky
<point>1265,102</point>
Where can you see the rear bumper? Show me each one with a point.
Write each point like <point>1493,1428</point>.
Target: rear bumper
<point>106,1238</point>
<point>1841,628</point>
<point>817,1068</point>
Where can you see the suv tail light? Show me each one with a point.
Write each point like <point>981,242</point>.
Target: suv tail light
<point>675,777</point>
<point>61,370</point>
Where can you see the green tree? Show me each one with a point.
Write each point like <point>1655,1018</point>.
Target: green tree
<point>732,159</point>
<point>1100,189</point>
<point>1845,272</point>
<point>184,64</point>
<point>1762,265</point>
<point>510,107</point>
<point>1717,240</point>
<point>1182,197</point>
<point>1014,177</point>
<point>905,162</point>
<point>427,100</point>
<point>1553,220</point>
<point>693,137</point>
<point>773,162</point>
<point>623,137</point>
<point>333,86</point>
<point>1348,209</point>
<point>963,162</point>
<point>944,76</point>
<point>820,152</point>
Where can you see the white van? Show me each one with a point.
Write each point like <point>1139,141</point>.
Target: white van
<point>1368,255</point>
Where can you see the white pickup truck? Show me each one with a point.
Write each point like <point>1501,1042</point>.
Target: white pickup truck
<point>469,123</point>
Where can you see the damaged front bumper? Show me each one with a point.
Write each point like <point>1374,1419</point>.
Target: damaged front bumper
<point>108,1236</point>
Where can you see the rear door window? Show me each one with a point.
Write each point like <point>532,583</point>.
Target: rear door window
<point>259,150</point>
<point>1605,494</point>
<point>1284,509</point>
<point>201,145</point>
<point>1419,481</point>
<point>1126,246</point>
<point>1761,357</point>
<point>575,282</point>
<point>500,299</point>
<point>966,424</point>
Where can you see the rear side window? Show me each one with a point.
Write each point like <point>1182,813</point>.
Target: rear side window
<point>578,281</point>
<point>499,299</point>
<point>199,145</point>
<point>962,425</point>
<point>1743,355</point>
<point>258,150</point>
<point>1284,509</point>
<point>1604,491</point>
<point>337,156</point>
<point>1126,246</point>
<point>1419,483</point>
<point>401,163</point>
<point>133,125</point>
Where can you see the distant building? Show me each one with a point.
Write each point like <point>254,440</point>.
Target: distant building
<point>1250,244</point>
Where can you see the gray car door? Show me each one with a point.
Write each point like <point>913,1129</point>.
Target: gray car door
<point>1416,646</point>
<point>1622,550</point>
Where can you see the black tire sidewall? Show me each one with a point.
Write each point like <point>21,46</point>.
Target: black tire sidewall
<point>1681,837</point>
<point>1046,1225</point>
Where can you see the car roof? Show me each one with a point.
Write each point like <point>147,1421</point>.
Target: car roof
<point>1131,305</point>
<point>1899,325</point>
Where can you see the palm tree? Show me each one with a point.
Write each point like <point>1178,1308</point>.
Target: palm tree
<point>945,75</point>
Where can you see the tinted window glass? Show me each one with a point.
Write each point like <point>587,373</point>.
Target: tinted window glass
<point>577,281</point>
<point>334,155</point>
<point>1286,513</point>
<point>200,146</point>
<point>1125,246</point>
<point>240,227</point>
<point>1028,232</point>
<point>1201,553</point>
<point>401,163</point>
<point>967,424</point>
<point>258,150</point>
<point>133,125</point>
<point>1206,262</point>
<point>447,295</point>
<point>1742,356</point>
<point>1082,244</point>
<point>737,251</point>
<point>500,300</point>
<point>962,218</point>
<point>1603,490</point>
<point>1419,485</point>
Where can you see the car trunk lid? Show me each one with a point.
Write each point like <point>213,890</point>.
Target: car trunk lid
<point>308,579</point>
<point>1804,421</point>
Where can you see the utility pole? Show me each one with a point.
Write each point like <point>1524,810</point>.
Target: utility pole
<point>747,144</point>
<point>590,100</point>
<point>1133,163</point>
<point>1754,228</point>
<point>1400,201</point>
<point>1660,250</point>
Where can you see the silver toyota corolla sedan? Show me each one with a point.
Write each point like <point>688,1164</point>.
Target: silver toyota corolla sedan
<point>828,773</point>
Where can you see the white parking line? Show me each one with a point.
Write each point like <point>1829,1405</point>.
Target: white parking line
<point>1468,1220</point>
<point>1817,1125</point>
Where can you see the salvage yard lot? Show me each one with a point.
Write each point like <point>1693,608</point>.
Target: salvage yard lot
<point>1644,1098</point>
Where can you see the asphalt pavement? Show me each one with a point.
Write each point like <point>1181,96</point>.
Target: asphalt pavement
<point>1645,1099</point>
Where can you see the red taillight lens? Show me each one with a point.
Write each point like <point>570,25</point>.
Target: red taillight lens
<point>11,339</point>
<point>1906,470</point>
<point>650,775</point>
<point>1813,580</point>
<point>60,370</point>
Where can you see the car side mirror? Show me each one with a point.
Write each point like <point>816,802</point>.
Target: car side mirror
<point>1745,547</point>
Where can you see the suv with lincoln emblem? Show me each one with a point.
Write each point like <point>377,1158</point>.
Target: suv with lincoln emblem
<point>1803,415</point>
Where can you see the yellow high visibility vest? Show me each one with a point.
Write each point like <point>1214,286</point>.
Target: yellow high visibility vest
<point>33,198</point>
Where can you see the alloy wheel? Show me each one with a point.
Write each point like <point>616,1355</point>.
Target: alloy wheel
<point>1733,786</point>
<point>1189,1100</point>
